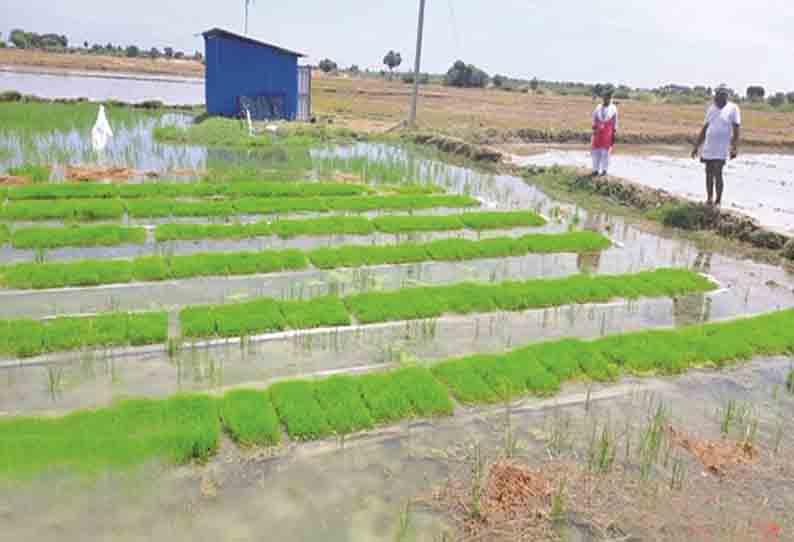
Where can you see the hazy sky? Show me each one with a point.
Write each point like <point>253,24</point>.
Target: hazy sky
<point>637,42</point>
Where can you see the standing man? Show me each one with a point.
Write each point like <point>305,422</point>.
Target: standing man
<point>720,134</point>
<point>605,127</point>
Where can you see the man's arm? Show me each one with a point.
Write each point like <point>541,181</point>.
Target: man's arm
<point>700,140</point>
<point>737,129</point>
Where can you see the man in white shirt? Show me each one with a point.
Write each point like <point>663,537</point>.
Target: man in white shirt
<point>605,127</point>
<point>720,140</point>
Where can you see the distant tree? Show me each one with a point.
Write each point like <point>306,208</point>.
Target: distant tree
<point>408,78</point>
<point>534,84</point>
<point>755,93</point>
<point>777,100</point>
<point>354,69</point>
<point>499,80</point>
<point>198,56</point>
<point>154,52</point>
<point>132,51</point>
<point>466,76</point>
<point>85,45</point>
<point>169,52</point>
<point>327,65</point>
<point>790,97</point>
<point>392,60</point>
<point>19,38</point>
<point>109,47</point>
<point>179,55</point>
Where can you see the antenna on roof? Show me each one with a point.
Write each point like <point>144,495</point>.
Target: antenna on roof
<point>247,3</point>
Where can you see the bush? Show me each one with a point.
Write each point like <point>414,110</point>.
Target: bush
<point>466,76</point>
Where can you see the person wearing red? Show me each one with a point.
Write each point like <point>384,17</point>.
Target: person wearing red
<point>605,127</point>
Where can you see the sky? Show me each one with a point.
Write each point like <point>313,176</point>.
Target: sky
<point>641,43</point>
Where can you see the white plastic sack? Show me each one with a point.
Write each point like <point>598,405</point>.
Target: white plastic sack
<point>101,132</point>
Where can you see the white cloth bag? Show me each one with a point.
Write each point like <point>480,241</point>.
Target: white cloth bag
<point>101,132</point>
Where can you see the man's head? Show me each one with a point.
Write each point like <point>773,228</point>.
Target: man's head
<point>607,97</point>
<point>721,97</point>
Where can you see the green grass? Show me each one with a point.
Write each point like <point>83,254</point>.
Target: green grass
<point>31,119</point>
<point>299,410</point>
<point>39,276</point>
<point>63,191</point>
<point>77,236</point>
<point>457,249</point>
<point>262,315</point>
<point>125,435</point>
<point>36,173</point>
<point>343,404</point>
<point>220,132</point>
<point>5,234</point>
<point>78,210</point>
<point>434,301</point>
<point>250,418</point>
<point>26,338</point>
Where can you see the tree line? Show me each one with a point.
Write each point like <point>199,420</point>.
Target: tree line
<point>59,43</point>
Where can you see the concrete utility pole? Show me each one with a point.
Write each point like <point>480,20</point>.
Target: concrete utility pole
<point>417,65</point>
<point>247,3</point>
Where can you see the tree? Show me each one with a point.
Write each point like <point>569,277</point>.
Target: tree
<point>777,99</point>
<point>354,69</point>
<point>132,51</point>
<point>154,52</point>
<point>327,65</point>
<point>198,56</point>
<point>534,84</point>
<point>465,76</point>
<point>85,45</point>
<point>790,97</point>
<point>179,55</point>
<point>392,60</point>
<point>169,52</point>
<point>499,80</point>
<point>19,38</point>
<point>755,93</point>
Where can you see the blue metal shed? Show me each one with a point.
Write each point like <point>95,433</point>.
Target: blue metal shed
<point>245,73</point>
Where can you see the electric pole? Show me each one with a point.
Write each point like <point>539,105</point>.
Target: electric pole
<point>417,65</point>
<point>247,3</point>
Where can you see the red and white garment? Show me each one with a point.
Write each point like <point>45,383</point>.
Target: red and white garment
<point>605,125</point>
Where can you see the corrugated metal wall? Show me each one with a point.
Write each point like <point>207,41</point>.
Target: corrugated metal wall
<point>236,68</point>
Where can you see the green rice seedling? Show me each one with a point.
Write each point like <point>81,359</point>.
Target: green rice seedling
<point>578,241</point>
<point>39,276</point>
<point>464,381</point>
<point>233,320</point>
<point>385,397</point>
<point>299,410</point>
<point>325,311</point>
<point>150,269</point>
<point>250,418</point>
<point>149,208</point>
<point>63,191</point>
<point>362,204</point>
<point>5,234</point>
<point>147,328</point>
<point>335,225</point>
<point>296,190</point>
<point>125,435</point>
<point>357,256</point>
<point>427,395</point>
<point>267,206</point>
<point>202,208</point>
<point>187,232</point>
<point>35,173</point>
<point>80,210</point>
<point>502,220</point>
<point>406,224</point>
<point>790,381</point>
<point>410,188</point>
<point>341,399</point>
<point>77,236</point>
<point>172,190</point>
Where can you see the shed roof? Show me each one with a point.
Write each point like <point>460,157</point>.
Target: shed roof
<point>219,32</point>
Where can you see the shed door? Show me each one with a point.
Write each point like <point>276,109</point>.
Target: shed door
<point>304,93</point>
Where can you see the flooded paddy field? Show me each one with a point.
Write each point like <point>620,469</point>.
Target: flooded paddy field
<point>417,477</point>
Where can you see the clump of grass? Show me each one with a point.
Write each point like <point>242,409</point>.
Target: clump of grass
<point>434,301</point>
<point>688,216</point>
<point>78,210</point>
<point>123,436</point>
<point>77,236</point>
<point>35,173</point>
<point>250,418</point>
